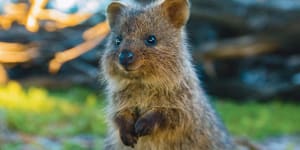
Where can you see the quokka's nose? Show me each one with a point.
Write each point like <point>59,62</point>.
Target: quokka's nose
<point>126,58</point>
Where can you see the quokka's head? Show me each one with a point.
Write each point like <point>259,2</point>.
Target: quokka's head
<point>146,43</point>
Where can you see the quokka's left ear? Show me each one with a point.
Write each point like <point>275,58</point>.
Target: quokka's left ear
<point>113,12</point>
<point>177,11</point>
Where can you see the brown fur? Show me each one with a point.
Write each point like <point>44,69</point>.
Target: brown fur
<point>156,103</point>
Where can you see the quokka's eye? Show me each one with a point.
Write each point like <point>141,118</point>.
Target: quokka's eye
<point>118,40</point>
<point>151,40</point>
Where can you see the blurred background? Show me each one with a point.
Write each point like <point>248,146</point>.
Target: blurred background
<point>247,54</point>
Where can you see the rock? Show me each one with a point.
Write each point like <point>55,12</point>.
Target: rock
<point>282,143</point>
<point>29,142</point>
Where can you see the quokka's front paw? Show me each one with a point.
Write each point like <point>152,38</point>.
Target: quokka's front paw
<point>128,138</point>
<point>147,124</point>
<point>144,127</point>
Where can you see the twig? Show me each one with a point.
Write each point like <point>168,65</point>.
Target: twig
<point>17,53</point>
<point>70,54</point>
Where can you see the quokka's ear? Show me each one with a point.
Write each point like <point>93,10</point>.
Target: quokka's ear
<point>114,11</point>
<point>177,11</point>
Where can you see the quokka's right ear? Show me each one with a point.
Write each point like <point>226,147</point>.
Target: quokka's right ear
<point>114,11</point>
<point>177,11</point>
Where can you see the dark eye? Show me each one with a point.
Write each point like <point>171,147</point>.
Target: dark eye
<point>118,40</point>
<point>151,40</point>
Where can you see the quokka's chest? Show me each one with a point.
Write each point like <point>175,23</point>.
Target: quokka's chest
<point>146,99</point>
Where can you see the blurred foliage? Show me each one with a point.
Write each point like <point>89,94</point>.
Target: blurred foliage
<point>13,146</point>
<point>68,112</point>
<point>260,120</point>
<point>52,113</point>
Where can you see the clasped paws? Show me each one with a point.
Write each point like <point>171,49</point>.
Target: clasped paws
<point>144,126</point>
<point>128,137</point>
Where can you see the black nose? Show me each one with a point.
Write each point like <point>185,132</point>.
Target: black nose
<point>126,57</point>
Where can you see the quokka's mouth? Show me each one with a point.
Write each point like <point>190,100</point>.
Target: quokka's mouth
<point>129,68</point>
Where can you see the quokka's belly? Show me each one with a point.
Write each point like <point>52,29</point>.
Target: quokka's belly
<point>172,141</point>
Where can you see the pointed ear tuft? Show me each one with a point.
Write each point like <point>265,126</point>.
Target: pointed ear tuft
<point>177,11</point>
<point>114,11</point>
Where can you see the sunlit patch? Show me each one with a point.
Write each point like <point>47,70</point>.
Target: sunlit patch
<point>40,111</point>
<point>13,13</point>
<point>64,5</point>
<point>37,100</point>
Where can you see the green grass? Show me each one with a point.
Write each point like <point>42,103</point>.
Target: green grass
<point>53,113</point>
<point>260,120</point>
<point>60,113</point>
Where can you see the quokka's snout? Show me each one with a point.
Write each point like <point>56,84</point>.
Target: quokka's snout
<point>129,53</point>
<point>126,58</point>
